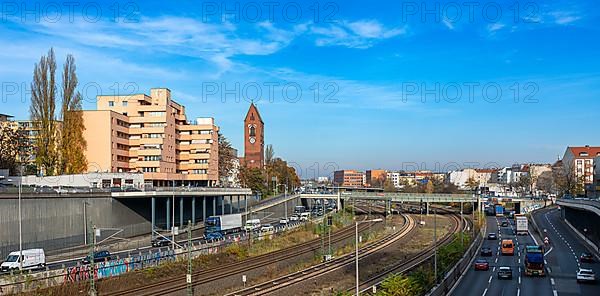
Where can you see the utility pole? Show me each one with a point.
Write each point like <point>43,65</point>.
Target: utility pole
<point>190,288</point>
<point>92,291</point>
<point>20,223</point>
<point>85,226</point>
<point>173,224</point>
<point>435,245</point>
<point>462,240</point>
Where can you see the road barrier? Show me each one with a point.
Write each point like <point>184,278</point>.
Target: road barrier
<point>455,274</point>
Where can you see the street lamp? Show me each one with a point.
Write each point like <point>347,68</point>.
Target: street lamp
<point>284,200</point>
<point>20,224</point>
<point>356,245</point>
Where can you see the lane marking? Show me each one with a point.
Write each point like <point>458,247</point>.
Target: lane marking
<point>490,280</point>
<point>518,292</point>
<point>550,250</point>
<point>485,291</point>
<point>519,280</point>
<point>552,281</point>
<point>554,292</point>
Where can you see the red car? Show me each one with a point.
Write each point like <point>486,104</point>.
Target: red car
<point>482,264</point>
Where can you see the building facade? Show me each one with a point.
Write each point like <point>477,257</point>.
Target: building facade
<point>374,177</point>
<point>580,162</point>
<point>151,134</point>
<point>349,178</point>
<point>254,139</point>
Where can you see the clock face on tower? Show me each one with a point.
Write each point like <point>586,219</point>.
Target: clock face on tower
<point>252,140</point>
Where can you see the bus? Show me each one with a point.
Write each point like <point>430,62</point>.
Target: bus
<point>534,261</point>
<point>508,247</point>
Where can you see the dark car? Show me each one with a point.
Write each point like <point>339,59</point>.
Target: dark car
<point>481,264</point>
<point>504,224</point>
<point>505,272</point>
<point>586,257</point>
<point>160,242</point>
<point>486,252</point>
<point>492,236</point>
<point>98,257</point>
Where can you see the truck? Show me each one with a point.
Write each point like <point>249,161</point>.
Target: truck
<point>32,258</point>
<point>522,225</point>
<point>534,261</point>
<point>216,226</point>
<point>499,210</point>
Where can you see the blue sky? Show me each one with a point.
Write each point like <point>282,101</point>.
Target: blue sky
<point>400,84</point>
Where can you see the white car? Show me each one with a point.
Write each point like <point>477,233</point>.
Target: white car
<point>585,275</point>
<point>283,221</point>
<point>267,228</point>
<point>294,218</point>
<point>304,216</point>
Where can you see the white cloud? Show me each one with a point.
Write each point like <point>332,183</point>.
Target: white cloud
<point>448,24</point>
<point>358,34</point>
<point>495,27</point>
<point>564,17</point>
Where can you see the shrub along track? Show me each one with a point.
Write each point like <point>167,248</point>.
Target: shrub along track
<point>174,284</point>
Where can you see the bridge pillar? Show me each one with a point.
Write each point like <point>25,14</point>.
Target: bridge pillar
<point>246,203</point>
<point>214,212</point>
<point>153,202</point>
<point>193,210</point>
<point>427,208</point>
<point>204,208</point>
<point>238,203</point>
<point>223,205</point>
<point>168,213</point>
<point>181,212</point>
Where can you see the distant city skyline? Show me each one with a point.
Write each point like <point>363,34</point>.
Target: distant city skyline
<point>395,86</point>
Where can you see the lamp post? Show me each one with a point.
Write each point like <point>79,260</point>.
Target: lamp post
<point>285,200</point>
<point>356,245</point>
<point>173,217</point>
<point>20,222</point>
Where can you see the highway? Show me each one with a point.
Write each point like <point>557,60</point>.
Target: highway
<point>481,283</point>
<point>563,255</point>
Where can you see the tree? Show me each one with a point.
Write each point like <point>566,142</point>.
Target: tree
<point>388,186</point>
<point>429,188</point>
<point>226,157</point>
<point>253,178</point>
<point>72,143</point>
<point>43,104</point>
<point>9,147</point>
<point>269,154</point>
<point>546,183</point>
<point>472,184</point>
<point>566,181</point>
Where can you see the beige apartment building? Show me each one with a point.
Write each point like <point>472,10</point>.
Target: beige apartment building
<point>151,134</point>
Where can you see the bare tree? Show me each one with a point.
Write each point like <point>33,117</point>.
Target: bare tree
<point>226,157</point>
<point>43,104</point>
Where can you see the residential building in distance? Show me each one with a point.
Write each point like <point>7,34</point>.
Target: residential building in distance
<point>580,162</point>
<point>151,134</point>
<point>374,177</point>
<point>349,178</point>
<point>27,138</point>
<point>597,176</point>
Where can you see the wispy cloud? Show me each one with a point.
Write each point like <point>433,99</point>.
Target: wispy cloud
<point>359,34</point>
<point>448,24</point>
<point>564,17</point>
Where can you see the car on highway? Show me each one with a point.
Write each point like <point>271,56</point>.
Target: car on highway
<point>304,216</point>
<point>160,242</point>
<point>586,258</point>
<point>504,224</point>
<point>294,217</point>
<point>492,236</point>
<point>505,272</point>
<point>99,256</point>
<point>284,221</point>
<point>485,251</point>
<point>481,264</point>
<point>585,275</point>
<point>267,228</point>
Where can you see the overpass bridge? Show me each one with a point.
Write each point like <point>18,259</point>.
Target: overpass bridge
<point>583,216</point>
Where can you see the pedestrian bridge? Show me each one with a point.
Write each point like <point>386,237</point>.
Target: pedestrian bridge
<point>396,197</point>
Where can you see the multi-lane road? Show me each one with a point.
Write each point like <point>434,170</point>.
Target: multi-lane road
<point>563,255</point>
<point>561,258</point>
<point>487,282</point>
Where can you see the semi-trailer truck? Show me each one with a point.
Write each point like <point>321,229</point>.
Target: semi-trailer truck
<point>216,226</point>
<point>499,210</point>
<point>522,226</point>
<point>534,261</point>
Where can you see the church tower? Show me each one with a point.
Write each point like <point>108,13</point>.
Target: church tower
<point>254,139</point>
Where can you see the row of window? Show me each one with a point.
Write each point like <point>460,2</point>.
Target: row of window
<point>112,103</point>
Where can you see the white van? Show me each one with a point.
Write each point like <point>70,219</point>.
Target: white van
<point>32,258</point>
<point>252,224</point>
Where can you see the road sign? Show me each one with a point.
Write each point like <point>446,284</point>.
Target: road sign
<point>188,278</point>
<point>244,278</point>
<point>98,232</point>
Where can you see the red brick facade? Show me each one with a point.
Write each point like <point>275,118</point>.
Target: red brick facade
<point>254,139</point>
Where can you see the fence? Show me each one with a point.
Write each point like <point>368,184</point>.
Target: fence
<point>18,283</point>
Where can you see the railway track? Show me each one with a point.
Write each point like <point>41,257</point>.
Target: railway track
<point>414,261</point>
<point>171,285</point>
<point>342,262</point>
<point>320,269</point>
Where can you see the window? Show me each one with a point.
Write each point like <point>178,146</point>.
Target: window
<point>155,113</point>
<point>124,103</point>
<point>149,170</point>
<point>198,171</point>
<point>583,154</point>
<point>152,158</point>
<point>252,131</point>
<point>111,103</point>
